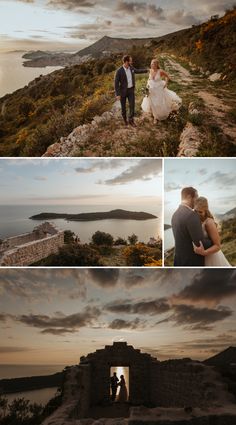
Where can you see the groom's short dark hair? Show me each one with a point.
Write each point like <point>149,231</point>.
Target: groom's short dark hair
<point>126,58</point>
<point>188,191</point>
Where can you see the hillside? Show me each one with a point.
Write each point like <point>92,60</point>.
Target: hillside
<point>224,358</point>
<point>15,385</point>
<point>54,114</point>
<point>94,216</point>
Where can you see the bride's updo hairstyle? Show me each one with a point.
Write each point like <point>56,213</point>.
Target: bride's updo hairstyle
<point>201,203</point>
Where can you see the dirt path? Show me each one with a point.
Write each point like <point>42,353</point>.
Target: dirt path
<point>180,135</point>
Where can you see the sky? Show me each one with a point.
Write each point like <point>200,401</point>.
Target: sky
<point>54,316</point>
<point>114,182</point>
<point>75,24</point>
<point>214,179</point>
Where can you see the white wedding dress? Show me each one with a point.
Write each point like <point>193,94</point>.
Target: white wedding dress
<point>217,259</point>
<point>160,101</point>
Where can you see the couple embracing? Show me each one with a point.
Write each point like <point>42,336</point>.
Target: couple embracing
<point>197,240</point>
<point>115,383</point>
<point>159,102</point>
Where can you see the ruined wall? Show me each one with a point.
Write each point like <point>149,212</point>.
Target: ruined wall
<point>14,241</point>
<point>179,383</point>
<point>31,252</point>
<point>120,354</point>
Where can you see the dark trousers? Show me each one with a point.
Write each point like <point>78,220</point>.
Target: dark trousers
<point>131,100</point>
<point>113,393</point>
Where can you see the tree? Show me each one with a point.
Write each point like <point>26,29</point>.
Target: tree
<point>73,255</point>
<point>3,405</point>
<point>19,408</point>
<point>133,239</point>
<point>120,241</point>
<point>69,236</point>
<point>102,238</point>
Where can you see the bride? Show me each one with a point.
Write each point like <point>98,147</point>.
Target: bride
<point>123,394</point>
<point>161,101</point>
<point>213,256</point>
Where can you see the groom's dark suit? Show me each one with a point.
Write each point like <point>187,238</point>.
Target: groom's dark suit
<point>187,228</point>
<point>122,90</point>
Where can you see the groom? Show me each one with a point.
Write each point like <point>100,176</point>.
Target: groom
<point>125,87</point>
<point>187,228</point>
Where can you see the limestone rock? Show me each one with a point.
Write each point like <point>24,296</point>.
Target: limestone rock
<point>215,77</point>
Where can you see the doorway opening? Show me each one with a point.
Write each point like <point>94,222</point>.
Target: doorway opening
<point>123,385</point>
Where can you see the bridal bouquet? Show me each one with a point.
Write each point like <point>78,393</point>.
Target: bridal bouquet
<point>145,90</point>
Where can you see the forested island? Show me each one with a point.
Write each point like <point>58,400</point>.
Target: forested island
<point>117,214</point>
<point>15,385</point>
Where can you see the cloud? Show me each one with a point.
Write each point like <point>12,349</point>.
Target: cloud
<point>13,349</point>
<point>75,5</point>
<point>104,277</point>
<point>172,186</point>
<point>60,323</point>
<point>145,170</point>
<point>125,324</point>
<point>210,286</point>
<point>150,307</point>
<point>197,318</point>
<point>148,10</point>
<point>183,18</point>
<point>40,178</point>
<point>221,179</point>
<point>101,164</point>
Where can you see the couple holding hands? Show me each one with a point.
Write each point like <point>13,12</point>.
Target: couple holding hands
<point>159,102</point>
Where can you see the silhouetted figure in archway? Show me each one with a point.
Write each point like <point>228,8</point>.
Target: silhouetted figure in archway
<point>123,393</point>
<point>114,385</point>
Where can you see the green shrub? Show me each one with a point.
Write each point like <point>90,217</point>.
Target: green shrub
<point>102,238</point>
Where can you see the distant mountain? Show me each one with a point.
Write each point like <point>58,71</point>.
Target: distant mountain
<point>114,214</point>
<point>108,45</point>
<point>167,226</point>
<point>224,358</point>
<point>228,215</point>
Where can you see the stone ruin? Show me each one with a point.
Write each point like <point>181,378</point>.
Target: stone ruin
<point>28,248</point>
<point>158,391</point>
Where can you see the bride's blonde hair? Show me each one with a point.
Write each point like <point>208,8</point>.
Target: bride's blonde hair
<point>156,63</point>
<point>202,203</point>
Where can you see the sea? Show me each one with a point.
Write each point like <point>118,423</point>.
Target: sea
<point>14,220</point>
<point>13,75</point>
<point>168,239</point>
<point>19,371</point>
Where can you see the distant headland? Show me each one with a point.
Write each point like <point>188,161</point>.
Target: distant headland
<point>117,214</point>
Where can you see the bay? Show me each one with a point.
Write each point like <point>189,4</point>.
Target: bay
<point>13,75</point>
<point>14,220</point>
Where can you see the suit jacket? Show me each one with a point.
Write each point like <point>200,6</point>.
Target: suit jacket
<point>187,228</point>
<point>121,82</point>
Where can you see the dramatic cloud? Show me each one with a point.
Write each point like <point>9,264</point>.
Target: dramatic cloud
<point>104,277</point>
<point>149,307</point>
<point>210,286</point>
<point>195,318</point>
<point>59,323</point>
<point>124,324</point>
<point>144,9</point>
<point>145,169</point>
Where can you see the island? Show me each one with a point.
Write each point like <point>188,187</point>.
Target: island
<point>167,226</point>
<point>117,214</point>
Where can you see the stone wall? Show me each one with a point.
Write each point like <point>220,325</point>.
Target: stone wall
<point>25,255</point>
<point>179,383</point>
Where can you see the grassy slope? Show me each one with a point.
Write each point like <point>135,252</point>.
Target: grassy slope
<point>50,107</point>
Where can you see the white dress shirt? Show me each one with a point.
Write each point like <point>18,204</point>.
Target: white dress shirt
<point>129,77</point>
